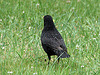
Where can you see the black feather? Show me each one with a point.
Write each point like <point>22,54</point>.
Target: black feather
<point>52,41</point>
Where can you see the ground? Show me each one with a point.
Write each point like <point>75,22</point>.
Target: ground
<point>21,24</point>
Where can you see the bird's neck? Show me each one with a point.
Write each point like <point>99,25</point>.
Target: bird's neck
<point>49,28</point>
<point>49,25</point>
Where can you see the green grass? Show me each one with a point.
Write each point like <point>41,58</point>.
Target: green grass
<point>21,24</point>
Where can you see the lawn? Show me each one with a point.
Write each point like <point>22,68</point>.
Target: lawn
<point>21,24</point>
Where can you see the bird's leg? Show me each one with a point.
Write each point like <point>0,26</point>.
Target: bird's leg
<point>58,59</point>
<point>49,59</point>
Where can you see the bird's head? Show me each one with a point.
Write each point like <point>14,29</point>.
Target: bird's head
<point>48,21</point>
<point>48,18</point>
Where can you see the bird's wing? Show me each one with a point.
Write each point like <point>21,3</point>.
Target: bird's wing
<point>54,43</point>
<point>50,42</point>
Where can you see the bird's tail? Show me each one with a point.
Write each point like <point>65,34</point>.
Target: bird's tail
<point>62,54</point>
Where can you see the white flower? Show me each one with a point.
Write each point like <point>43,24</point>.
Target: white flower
<point>82,66</point>
<point>12,17</point>
<point>3,47</point>
<point>37,4</point>
<point>77,46</point>
<point>32,67</point>
<point>62,25</point>
<point>29,28</point>
<point>78,0</point>
<point>25,50</point>
<point>68,1</point>
<point>94,38</point>
<point>72,9</point>
<point>34,73</point>
<point>9,72</point>
<point>96,21</point>
<point>23,12</point>
<point>0,19</point>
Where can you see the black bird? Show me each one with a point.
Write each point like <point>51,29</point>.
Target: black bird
<point>52,41</point>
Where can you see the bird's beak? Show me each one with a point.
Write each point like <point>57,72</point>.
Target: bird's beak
<point>53,20</point>
<point>42,16</point>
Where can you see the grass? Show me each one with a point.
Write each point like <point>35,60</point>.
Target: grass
<point>21,24</point>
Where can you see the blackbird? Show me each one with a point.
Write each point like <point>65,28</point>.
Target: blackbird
<point>51,40</point>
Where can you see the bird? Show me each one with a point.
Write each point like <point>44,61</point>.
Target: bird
<point>52,41</point>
